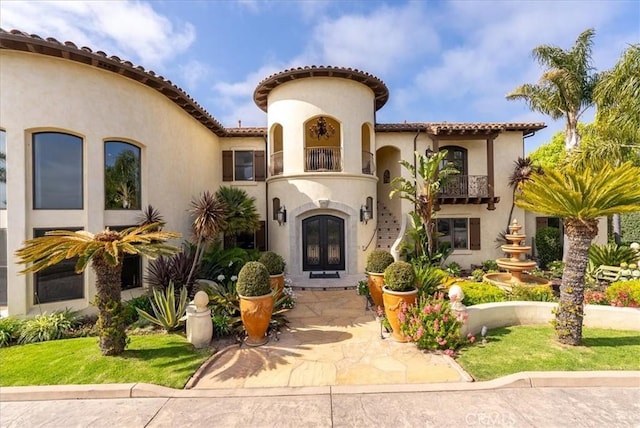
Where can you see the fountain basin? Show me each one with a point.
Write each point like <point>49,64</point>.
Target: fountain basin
<point>515,265</point>
<point>506,281</point>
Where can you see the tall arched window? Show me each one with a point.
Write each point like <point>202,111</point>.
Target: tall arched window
<point>457,185</point>
<point>458,157</point>
<point>122,188</point>
<point>57,171</point>
<point>386,176</point>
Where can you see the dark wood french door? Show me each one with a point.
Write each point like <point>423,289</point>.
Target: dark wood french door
<point>323,243</point>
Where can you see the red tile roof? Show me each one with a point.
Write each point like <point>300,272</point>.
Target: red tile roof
<point>378,87</point>
<point>19,41</point>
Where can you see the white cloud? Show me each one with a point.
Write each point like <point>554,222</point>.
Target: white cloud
<point>193,72</point>
<point>129,29</point>
<point>378,42</point>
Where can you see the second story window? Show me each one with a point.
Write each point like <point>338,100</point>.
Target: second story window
<point>57,171</point>
<point>121,176</point>
<point>243,165</point>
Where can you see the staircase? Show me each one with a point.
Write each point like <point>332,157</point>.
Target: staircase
<point>388,228</point>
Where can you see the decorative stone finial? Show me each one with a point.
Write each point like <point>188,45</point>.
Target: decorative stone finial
<point>455,296</point>
<point>201,300</point>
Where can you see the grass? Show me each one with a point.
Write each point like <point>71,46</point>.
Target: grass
<point>534,348</point>
<point>162,359</point>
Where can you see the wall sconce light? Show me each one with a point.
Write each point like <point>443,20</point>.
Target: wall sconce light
<point>281,215</point>
<point>429,152</point>
<point>365,214</point>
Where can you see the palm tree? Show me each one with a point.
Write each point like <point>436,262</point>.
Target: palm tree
<point>241,213</point>
<point>580,194</point>
<point>427,177</point>
<point>565,89</point>
<point>106,251</point>
<point>523,169</point>
<point>209,217</point>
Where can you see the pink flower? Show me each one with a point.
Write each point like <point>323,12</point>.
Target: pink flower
<point>402,317</point>
<point>436,325</point>
<point>471,338</point>
<point>441,341</point>
<point>427,310</point>
<point>445,318</point>
<point>449,352</point>
<point>419,333</point>
<point>438,307</point>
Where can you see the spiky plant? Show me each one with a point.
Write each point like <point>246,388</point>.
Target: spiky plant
<point>580,195</point>
<point>209,217</point>
<point>106,251</point>
<point>150,215</point>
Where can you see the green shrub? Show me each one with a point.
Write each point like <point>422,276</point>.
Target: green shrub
<point>428,278</point>
<point>610,255</point>
<point>630,223</point>
<point>378,261</point>
<point>490,265</point>
<point>477,275</point>
<point>453,269</point>
<point>168,312</point>
<point>129,308</point>
<point>46,327</point>
<point>273,262</point>
<point>548,245</point>
<point>540,293</point>
<point>556,268</point>
<point>399,276</point>
<point>480,292</point>
<point>363,288</point>
<point>253,280</point>
<point>9,330</point>
<point>624,293</point>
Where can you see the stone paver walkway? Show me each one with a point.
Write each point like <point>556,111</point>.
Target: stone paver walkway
<point>332,339</point>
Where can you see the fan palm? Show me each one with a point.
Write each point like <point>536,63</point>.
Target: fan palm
<point>523,169</point>
<point>427,177</point>
<point>106,251</point>
<point>580,194</point>
<point>565,89</point>
<point>241,213</point>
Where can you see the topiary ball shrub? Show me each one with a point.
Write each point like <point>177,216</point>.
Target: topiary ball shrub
<point>273,262</point>
<point>548,245</point>
<point>378,261</point>
<point>399,276</point>
<point>253,280</point>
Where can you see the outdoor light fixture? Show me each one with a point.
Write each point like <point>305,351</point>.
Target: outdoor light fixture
<point>365,214</point>
<point>281,215</point>
<point>483,333</point>
<point>429,152</point>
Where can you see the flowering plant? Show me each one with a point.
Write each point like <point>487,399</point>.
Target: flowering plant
<point>432,324</point>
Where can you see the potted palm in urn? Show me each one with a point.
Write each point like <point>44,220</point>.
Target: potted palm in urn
<point>377,262</point>
<point>399,289</point>
<point>275,266</point>
<point>256,302</point>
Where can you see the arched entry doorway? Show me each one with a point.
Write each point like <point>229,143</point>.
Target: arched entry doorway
<point>323,243</point>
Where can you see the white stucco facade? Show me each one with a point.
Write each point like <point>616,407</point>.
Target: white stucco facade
<point>326,160</point>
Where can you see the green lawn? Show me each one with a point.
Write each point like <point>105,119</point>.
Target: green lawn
<point>161,359</point>
<point>534,348</point>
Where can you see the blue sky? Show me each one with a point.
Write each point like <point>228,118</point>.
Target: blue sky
<point>442,60</point>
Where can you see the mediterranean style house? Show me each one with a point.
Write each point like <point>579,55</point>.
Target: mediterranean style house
<point>91,139</point>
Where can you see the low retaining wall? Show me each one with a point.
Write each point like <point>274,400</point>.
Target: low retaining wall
<point>503,314</point>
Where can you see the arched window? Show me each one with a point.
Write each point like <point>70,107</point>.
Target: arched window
<point>57,171</point>
<point>121,176</point>
<point>458,157</point>
<point>386,176</point>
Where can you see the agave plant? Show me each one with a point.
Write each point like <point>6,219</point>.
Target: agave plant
<point>167,311</point>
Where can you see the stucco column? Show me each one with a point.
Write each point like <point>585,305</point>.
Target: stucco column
<point>490,173</point>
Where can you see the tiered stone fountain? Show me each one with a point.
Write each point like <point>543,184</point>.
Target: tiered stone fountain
<point>515,264</point>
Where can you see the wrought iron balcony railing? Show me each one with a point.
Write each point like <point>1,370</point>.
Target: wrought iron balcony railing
<point>323,159</point>
<point>465,186</point>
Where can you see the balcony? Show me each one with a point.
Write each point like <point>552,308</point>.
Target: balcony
<point>276,165</point>
<point>466,189</point>
<point>322,159</point>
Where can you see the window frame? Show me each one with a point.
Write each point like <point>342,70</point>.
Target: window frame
<point>138,195</point>
<point>34,181</point>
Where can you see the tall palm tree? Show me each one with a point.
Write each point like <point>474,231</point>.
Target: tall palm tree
<point>209,217</point>
<point>106,251</point>
<point>580,194</point>
<point>427,177</point>
<point>241,213</point>
<point>565,89</point>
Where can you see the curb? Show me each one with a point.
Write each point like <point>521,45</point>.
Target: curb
<point>590,379</point>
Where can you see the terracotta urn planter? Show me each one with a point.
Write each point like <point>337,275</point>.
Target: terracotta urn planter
<point>393,301</point>
<point>256,315</point>
<point>277,284</point>
<point>376,282</point>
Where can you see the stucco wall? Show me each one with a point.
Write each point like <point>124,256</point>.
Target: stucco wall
<point>179,156</point>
